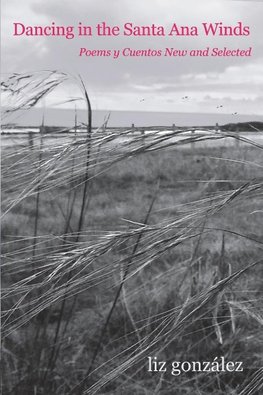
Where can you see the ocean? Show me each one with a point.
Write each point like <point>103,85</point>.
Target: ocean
<point>66,117</point>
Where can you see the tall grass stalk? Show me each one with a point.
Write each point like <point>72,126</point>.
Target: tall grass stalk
<point>38,191</point>
<point>80,387</point>
<point>86,180</point>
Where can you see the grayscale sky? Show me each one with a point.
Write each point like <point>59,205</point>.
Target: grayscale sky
<point>147,84</point>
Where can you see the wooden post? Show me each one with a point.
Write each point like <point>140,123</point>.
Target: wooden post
<point>42,131</point>
<point>237,140</point>
<point>30,140</point>
<point>192,143</point>
<point>143,136</point>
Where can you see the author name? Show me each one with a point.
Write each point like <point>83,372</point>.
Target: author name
<point>218,364</point>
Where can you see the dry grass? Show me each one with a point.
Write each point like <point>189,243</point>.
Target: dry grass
<point>141,248</point>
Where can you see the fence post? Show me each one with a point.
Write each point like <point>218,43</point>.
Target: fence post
<point>237,134</point>
<point>143,136</point>
<point>192,143</point>
<point>30,140</point>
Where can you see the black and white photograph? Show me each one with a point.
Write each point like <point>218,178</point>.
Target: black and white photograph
<point>131,197</point>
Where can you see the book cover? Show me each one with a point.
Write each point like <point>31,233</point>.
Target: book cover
<point>132,197</point>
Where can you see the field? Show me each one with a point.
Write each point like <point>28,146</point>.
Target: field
<point>128,269</point>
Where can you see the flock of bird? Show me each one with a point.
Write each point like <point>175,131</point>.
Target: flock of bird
<point>187,97</point>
